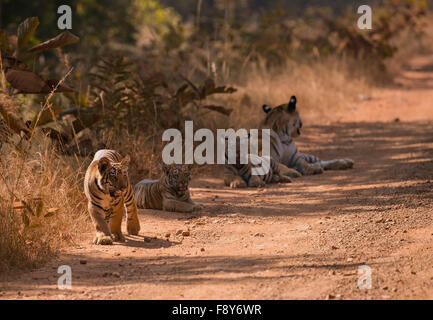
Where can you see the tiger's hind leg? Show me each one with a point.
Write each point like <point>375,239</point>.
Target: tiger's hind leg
<point>337,164</point>
<point>308,169</point>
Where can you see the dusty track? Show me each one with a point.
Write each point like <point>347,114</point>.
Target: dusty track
<point>303,240</point>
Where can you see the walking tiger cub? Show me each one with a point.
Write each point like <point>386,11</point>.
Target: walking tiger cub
<point>240,175</point>
<point>108,191</point>
<point>285,124</point>
<point>170,193</point>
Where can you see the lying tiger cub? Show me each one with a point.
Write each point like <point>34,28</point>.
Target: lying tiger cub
<point>169,193</point>
<point>107,188</point>
<point>239,175</point>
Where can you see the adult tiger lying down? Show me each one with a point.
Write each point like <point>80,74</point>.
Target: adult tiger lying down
<point>169,193</point>
<point>285,124</point>
<point>108,191</point>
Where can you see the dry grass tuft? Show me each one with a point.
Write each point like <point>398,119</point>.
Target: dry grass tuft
<point>52,187</point>
<point>324,88</point>
<point>143,147</point>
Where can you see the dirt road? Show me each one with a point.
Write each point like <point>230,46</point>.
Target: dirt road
<point>303,240</point>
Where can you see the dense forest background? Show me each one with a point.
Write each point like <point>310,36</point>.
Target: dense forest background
<point>120,18</point>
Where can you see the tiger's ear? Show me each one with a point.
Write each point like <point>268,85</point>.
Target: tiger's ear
<point>292,104</point>
<point>103,165</point>
<point>266,108</point>
<point>125,161</point>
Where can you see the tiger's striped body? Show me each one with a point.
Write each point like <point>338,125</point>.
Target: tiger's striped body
<point>285,124</point>
<point>240,175</point>
<point>108,191</point>
<point>285,151</point>
<point>170,193</point>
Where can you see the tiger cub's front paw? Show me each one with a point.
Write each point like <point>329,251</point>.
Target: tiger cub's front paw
<point>284,179</point>
<point>118,236</point>
<point>197,207</point>
<point>102,239</point>
<point>238,183</point>
<point>255,181</point>
<point>318,170</point>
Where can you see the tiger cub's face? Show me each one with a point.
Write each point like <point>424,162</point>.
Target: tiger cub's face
<point>178,176</point>
<point>114,176</point>
<point>284,118</point>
